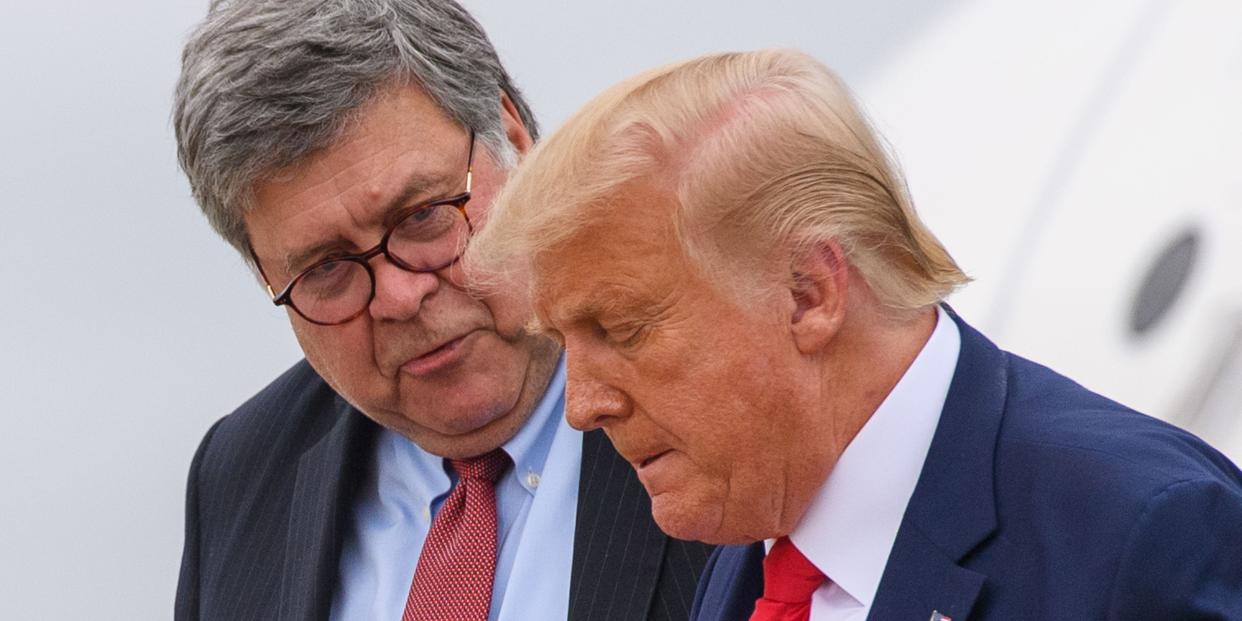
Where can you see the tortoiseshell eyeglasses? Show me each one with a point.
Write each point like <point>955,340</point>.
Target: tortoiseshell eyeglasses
<point>428,238</point>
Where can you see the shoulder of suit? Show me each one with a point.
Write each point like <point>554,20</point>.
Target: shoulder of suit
<point>272,428</point>
<point>1062,438</point>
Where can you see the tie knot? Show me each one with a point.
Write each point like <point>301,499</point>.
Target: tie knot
<point>788,576</point>
<point>486,467</point>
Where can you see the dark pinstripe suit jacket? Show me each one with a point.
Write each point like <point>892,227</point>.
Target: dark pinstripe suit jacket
<point>272,484</point>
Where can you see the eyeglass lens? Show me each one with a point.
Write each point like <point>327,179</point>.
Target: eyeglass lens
<point>425,240</point>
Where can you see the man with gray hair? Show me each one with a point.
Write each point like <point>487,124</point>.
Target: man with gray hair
<point>752,310</point>
<point>416,465</point>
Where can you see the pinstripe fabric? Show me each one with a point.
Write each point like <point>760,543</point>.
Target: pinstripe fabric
<point>265,503</point>
<point>624,566</point>
<point>271,486</point>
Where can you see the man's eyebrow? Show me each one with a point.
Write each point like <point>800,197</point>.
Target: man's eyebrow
<point>600,301</point>
<point>417,184</point>
<point>299,259</point>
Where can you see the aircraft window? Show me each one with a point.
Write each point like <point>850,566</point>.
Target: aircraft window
<point>1165,282</point>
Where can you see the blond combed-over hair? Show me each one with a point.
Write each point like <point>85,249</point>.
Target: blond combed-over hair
<point>763,150</point>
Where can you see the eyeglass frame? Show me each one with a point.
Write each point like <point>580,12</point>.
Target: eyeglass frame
<point>458,201</point>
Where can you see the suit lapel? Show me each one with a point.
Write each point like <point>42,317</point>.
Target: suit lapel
<point>730,584</point>
<point>920,579</point>
<point>953,508</point>
<point>618,549</point>
<point>326,475</point>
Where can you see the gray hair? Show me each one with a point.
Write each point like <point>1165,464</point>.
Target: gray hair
<point>265,83</point>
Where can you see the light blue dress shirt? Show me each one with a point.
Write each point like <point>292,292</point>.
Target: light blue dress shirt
<point>535,501</point>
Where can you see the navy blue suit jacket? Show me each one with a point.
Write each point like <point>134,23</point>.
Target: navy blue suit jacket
<point>1042,500</point>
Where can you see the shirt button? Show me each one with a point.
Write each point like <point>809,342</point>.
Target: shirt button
<point>532,479</point>
<point>426,513</point>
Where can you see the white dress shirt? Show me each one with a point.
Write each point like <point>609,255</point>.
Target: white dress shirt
<point>851,524</point>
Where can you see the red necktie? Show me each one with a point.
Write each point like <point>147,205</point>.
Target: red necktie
<point>789,580</point>
<point>453,580</point>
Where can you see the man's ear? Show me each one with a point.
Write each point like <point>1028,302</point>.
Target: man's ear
<point>515,129</point>
<point>820,293</point>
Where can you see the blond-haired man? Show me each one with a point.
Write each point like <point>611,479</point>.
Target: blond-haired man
<point>752,310</point>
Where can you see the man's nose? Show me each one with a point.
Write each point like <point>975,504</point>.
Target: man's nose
<point>590,402</point>
<point>399,294</point>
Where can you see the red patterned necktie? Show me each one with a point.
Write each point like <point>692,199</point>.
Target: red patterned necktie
<point>789,580</point>
<point>453,580</point>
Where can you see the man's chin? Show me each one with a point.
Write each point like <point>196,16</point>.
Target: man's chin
<point>706,522</point>
<point>467,401</point>
<point>488,398</point>
<point>458,438</point>
<point>686,521</point>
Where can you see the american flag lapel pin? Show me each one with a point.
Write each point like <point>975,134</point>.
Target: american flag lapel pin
<point>939,616</point>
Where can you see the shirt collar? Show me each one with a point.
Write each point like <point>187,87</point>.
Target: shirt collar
<point>404,470</point>
<point>529,447</point>
<point>851,524</point>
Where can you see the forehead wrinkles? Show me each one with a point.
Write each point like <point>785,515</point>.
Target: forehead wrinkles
<point>381,166</point>
<point>398,123</point>
<point>328,181</point>
<point>624,255</point>
<point>365,183</point>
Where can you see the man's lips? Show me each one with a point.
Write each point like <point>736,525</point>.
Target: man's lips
<point>446,354</point>
<point>657,470</point>
<point>650,459</point>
